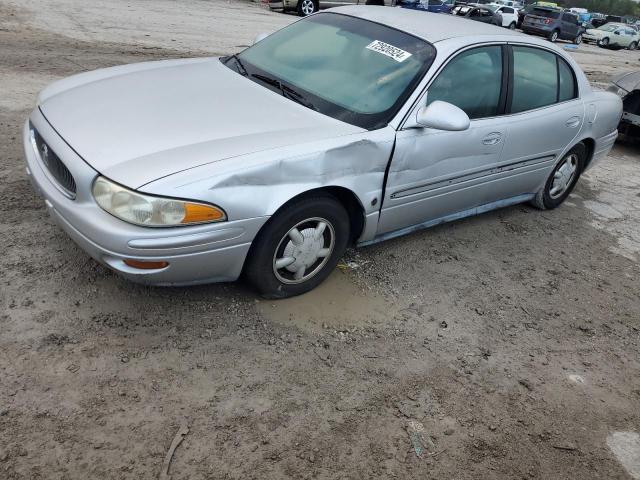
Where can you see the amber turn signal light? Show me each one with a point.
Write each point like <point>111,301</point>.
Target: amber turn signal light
<point>198,213</point>
<point>145,265</point>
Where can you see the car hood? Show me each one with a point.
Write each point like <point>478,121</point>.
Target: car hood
<point>137,123</point>
<point>628,81</point>
<point>595,32</point>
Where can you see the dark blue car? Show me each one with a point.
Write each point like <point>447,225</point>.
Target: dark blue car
<point>435,6</point>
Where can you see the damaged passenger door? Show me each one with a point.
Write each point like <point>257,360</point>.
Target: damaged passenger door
<point>437,173</point>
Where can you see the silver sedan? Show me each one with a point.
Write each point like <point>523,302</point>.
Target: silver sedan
<point>347,127</point>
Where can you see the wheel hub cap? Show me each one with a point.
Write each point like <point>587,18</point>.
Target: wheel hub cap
<point>304,250</point>
<point>307,7</point>
<point>563,177</point>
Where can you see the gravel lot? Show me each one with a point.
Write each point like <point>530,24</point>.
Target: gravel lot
<point>512,337</point>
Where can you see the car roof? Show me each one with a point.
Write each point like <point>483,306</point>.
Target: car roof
<point>432,27</point>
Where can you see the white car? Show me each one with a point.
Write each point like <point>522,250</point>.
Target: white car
<point>509,14</point>
<point>613,35</point>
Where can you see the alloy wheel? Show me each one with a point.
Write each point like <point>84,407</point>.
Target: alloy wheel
<point>308,7</point>
<point>304,250</point>
<point>564,176</point>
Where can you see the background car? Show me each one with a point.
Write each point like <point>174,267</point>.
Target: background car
<point>479,13</point>
<point>553,24</point>
<point>509,15</point>
<point>627,87</point>
<point>307,7</point>
<point>616,35</point>
<point>434,6</point>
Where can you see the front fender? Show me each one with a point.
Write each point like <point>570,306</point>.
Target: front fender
<point>257,185</point>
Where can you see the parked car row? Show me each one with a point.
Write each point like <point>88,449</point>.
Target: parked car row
<point>542,18</point>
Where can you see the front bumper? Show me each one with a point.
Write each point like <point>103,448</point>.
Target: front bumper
<point>196,254</point>
<point>590,38</point>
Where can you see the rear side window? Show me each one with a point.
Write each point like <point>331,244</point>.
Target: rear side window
<point>471,81</point>
<point>545,13</point>
<point>567,89</point>
<point>540,78</point>
<point>507,10</point>
<point>567,17</point>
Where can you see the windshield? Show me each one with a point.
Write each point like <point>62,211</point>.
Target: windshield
<point>348,68</point>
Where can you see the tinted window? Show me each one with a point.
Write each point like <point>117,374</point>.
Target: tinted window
<point>535,79</point>
<point>471,81</point>
<point>567,82</point>
<point>507,10</point>
<point>545,13</point>
<point>567,17</point>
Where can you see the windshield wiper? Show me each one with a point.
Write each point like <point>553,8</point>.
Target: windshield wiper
<point>286,90</point>
<point>241,70</point>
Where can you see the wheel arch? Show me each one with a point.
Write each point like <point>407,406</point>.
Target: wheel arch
<point>590,145</point>
<point>346,197</point>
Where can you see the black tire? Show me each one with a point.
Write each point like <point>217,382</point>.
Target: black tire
<point>553,36</point>
<point>544,199</point>
<point>273,240</point>
<point>512,26</point>
<point>633,45</point>
<point>604,42</point>
<point>578,39</point>
<point>307,7</point>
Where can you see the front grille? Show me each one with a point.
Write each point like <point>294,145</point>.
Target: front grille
<point>54,165</point>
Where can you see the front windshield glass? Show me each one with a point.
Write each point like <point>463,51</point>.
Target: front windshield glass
<point>348,68</point>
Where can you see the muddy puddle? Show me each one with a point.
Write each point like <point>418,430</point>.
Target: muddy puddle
<point>336,303</point>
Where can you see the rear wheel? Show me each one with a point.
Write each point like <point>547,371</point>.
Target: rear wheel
<point>578,39</point>
<point>553,36</point>
<point>307,7</point>
<point>562,180</point>
<point>512,26</point>
<point>633,45</point>
<point>299,247</point>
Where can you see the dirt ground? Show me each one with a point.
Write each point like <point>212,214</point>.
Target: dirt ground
<point>512,337</point>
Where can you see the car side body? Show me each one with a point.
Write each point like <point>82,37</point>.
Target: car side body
<point>433,6</point>
<point>614,35</point>
<point>553,24</point>
<point>478,13</point>
<point>196,129</point>
<point>508,13</point>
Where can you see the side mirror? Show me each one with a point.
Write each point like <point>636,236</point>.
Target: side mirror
<point>442,116</point>
<point>260,36</point>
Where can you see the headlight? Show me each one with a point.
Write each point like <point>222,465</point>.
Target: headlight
<point>150,211</point>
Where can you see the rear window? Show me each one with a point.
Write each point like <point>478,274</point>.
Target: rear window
<point>545,13</point>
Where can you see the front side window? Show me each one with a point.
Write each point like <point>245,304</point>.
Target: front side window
<point>471,81</point>
<point>351,69</point>
<point>540,78</point>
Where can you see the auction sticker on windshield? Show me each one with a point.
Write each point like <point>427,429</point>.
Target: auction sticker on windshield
<point>396,53</point>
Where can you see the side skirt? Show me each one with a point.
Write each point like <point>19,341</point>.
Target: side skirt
<point>507,202</point>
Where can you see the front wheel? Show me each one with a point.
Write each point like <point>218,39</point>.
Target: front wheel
<point>633,45</point>
<point>307,7</point>
<point>604,42</point>
<point>299,247</point>
<point>562,180</point>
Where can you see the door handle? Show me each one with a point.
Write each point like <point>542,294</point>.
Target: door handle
<point>573,122</point>
<point>492,139</point>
